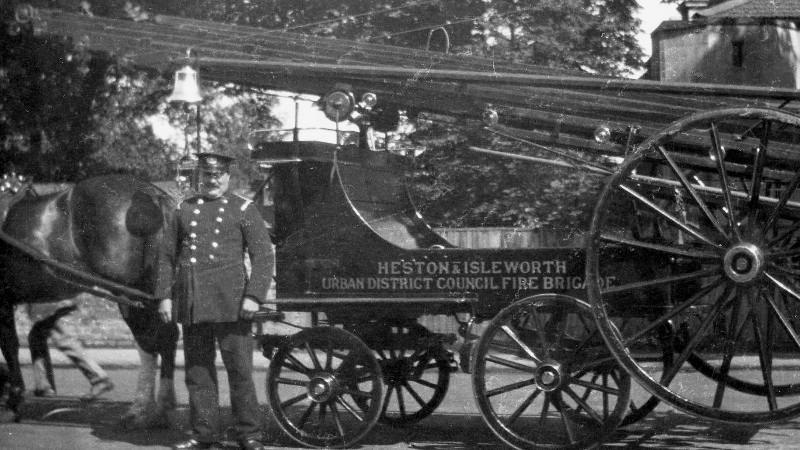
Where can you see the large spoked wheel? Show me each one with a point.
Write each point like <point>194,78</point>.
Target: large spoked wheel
<point>325,388</point>
<point>416,373</point>
<point>544,378</point>
<point>704,219</point>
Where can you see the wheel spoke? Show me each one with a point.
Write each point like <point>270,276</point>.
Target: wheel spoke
<point>509,363</point>
<point>357,393</point>
<point>568,425</point>
<point>688,253</point>
<point>786,288</point>
<point>414,394</point>
<point>295,365</point>
<point>588,391</point>
<point>673,279</point>
<point>695,340</point>
<point>329,357</point>
<point>758,169</point>
<point>545,409</point>
<point>427,383</point>
<point>784,198</point>
<point>539,328</point>
<point>349,408</point>
<point>291,381</point>
<point>523,406</point>
<point>306,415</point>
<point>692,191</point>
<point>401,403</point>
<point>510,387</point>
<point>764,354</point>
<point>293,400</point>
<point>673,312</point>
<point>735,328</point>
<point>787,326</point>
<point>322,412</point>
<point>591,412</point>
<point>337,420</point>
<point>313,355</point>
<point>723,178</point>
<point>666,215</point>
<point>513,335</point>
<point>787,253</point>
<point>595,386</point>
<point>386,399</point>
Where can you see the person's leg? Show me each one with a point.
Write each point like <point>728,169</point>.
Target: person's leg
<point>236,346</point>
<point>43,377</point>
<point>201,381</point>
<point>65,339</point>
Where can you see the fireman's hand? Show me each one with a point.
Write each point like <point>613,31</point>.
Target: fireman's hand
<point>249,308</point>
<point>165,310</point>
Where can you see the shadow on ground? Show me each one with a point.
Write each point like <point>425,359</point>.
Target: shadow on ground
<point>662,430</point>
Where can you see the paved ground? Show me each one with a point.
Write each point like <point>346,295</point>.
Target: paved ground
<point>66,423</point>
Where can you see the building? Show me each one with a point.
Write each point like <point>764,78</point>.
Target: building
<point>753,42</point>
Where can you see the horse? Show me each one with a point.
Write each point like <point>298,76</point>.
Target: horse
<point>101,236</point>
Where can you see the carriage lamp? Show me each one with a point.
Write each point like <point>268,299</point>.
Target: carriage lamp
<point>490,117</point>
<point>602,134</point>
<point>337,105</point>
<point>369,100</point>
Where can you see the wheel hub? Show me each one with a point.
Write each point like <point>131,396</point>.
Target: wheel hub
<point>743,262</point>
<point>549,376</point>
<point>321,388</point>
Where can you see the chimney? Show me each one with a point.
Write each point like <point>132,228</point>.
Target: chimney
<point>688,8</point>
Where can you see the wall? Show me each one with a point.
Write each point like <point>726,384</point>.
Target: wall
<point>700,53</point>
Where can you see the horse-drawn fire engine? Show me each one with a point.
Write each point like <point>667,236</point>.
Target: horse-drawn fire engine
<point>686,275</point>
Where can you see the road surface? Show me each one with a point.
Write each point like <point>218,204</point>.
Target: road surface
<point>66,423</point>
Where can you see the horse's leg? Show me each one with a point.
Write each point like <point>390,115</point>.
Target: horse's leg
<point>9,344</point>
<point>167,344</point>
<point>142,410</point>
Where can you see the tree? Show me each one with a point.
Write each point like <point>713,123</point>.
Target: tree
<point>594,35</point>
<point>88,115</point>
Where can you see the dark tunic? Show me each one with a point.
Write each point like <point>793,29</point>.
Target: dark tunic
<point>212,237</point>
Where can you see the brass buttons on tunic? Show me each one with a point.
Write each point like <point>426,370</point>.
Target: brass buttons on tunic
<point>219,219</point>
<point>214,244</point>
<point>193,223</point>
<point>192,260</point>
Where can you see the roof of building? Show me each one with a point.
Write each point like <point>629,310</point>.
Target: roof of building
<point>750,9</point>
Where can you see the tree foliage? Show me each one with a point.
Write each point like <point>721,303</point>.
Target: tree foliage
<point>66,114</point>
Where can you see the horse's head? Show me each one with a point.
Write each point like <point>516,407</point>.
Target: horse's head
<point>12,188</point>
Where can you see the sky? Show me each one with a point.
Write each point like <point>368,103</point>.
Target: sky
<point>652,13</point>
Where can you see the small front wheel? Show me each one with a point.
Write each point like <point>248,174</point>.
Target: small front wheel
<point>544,378</point>
<point>325,388</point>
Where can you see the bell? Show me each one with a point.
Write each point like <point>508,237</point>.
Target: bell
<point>187,87</point>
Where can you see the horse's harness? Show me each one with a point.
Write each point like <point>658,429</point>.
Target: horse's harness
<point>18,186</point>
